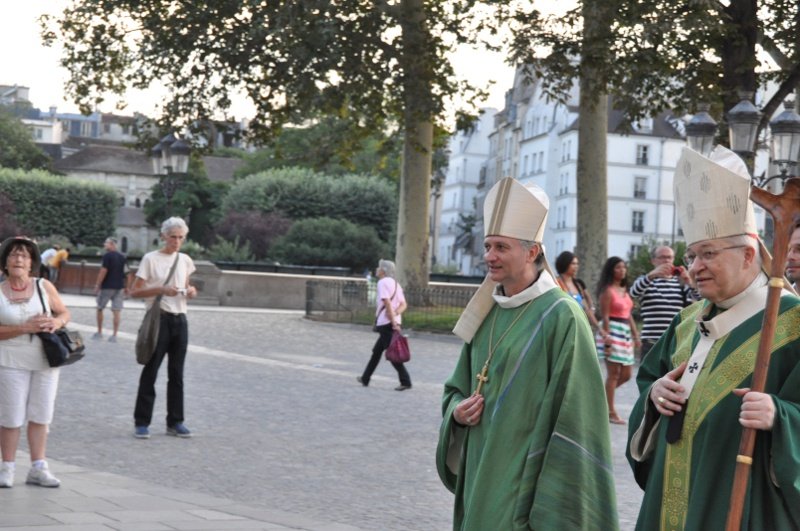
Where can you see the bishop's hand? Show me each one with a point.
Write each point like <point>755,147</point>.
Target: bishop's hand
<point>468,412</point>
<point>758,410</point>
<point>667,393</point>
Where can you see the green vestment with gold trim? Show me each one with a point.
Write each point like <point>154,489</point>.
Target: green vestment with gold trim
<point>688,483</point>
<point>540,458</point>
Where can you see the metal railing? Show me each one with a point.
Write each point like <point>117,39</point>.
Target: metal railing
<point>434,308</point>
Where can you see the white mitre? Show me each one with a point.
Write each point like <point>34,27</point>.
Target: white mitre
<point>712,196</point>
<point>513,210</point>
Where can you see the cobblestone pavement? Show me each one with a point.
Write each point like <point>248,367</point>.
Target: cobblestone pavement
<point>279,420</point>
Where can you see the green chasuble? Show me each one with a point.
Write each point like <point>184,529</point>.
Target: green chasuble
<point>540,458</point>
<point>688,483</point>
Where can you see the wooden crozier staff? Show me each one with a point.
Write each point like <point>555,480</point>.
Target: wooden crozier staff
<point>785,211</point>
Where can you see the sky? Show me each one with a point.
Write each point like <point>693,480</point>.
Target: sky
<point>27,62</point>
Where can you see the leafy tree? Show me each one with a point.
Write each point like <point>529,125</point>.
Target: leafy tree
<point>329,242</point>
<point>196,199</point>
<point>672,55</point>
<point>300,193</point>
<point>651,56</point>
<point>255,228</point>
<point>17,149</point>
<point>326,146</point>
<point>232,251</point>
<point>376,63</point>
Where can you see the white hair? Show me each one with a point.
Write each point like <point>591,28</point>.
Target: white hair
<point>174,223</point>
<point>387,266</point>
<point>746,240</point>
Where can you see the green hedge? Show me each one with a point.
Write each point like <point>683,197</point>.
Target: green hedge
<point>47,204</point>
<point>329,242</point>
<point>301,194</point>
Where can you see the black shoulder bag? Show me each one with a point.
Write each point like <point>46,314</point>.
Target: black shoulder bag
<point>62,347</point>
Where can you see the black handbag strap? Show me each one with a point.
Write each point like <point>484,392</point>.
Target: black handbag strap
<point>45,309</point>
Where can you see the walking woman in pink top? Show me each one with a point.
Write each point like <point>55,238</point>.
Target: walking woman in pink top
<point>618,333</point>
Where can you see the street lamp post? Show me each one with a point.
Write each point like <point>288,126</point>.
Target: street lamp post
<point>743,122</point>
<point>701,130</point>
<point>170,159</point>
<point>785,146</point>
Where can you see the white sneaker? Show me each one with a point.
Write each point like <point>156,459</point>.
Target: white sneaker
<point>6,476</point>
<point>42,477</point>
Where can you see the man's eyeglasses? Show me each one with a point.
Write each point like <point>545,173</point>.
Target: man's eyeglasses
<point>706,256</point>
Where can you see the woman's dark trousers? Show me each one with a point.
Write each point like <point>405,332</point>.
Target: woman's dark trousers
<point>173,339</point>
<point>382,344</point>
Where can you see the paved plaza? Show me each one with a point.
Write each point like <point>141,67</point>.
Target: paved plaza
<point>284,436</point>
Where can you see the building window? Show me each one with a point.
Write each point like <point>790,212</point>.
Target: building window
<point>637,221</point>
<point>642,152</point>
<point>126,129</point>
<point>634,251</point>
<point>541,161</point>
<point>106,128</point>
<point>640,187</point>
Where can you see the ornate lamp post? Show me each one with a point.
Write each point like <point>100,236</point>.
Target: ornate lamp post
<point>785,145</point>
<point>170,159</point>
<point>743,122</point>
<point>701,130</point>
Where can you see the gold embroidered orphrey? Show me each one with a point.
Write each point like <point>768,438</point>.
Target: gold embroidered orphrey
<point>483,376</point>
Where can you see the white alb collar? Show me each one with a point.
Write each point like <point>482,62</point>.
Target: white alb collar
<point>543,284</point>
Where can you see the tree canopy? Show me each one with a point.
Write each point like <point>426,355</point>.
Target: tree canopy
<point>669,55</point>
<point>325,146</point>
<point>17,149</point>
<point>378,63</point>
<point>651,56</point>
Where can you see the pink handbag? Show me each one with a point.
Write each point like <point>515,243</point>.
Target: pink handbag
<point>398,351</point>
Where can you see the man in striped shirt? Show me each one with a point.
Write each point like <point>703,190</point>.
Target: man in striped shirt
<point>662,293</point>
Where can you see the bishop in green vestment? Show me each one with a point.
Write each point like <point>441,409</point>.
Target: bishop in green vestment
<point>687,484</point>
<point>524,441</point>
<point>685,428</point>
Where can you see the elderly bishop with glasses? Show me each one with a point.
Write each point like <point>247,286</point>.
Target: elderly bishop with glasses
<point>695,399</point>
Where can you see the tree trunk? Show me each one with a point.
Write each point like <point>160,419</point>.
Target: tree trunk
<point>415,176</point>
<point>592,168</point>
<point>738,50</point>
